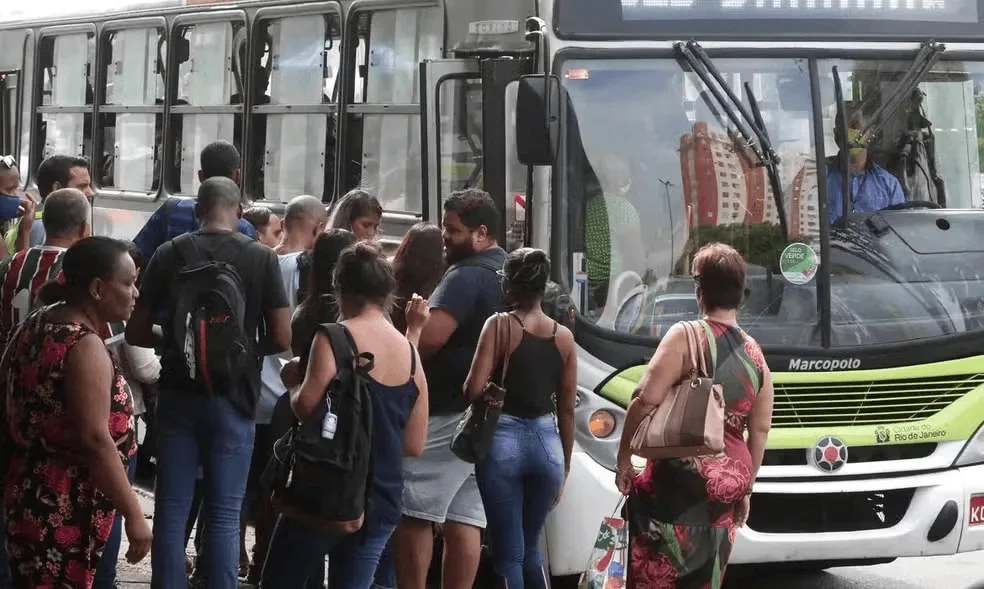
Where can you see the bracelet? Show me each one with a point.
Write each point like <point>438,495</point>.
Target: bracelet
<point>748,492</point>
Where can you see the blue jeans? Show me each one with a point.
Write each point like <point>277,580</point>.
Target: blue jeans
<point>106,568</point>
<point>196,429</point>
<point>296,550</point>
<point>386,569</point>
<point>6,582</point>
<point>519,481</point>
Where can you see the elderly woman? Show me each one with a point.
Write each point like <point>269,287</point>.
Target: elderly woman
<point>683,514</point>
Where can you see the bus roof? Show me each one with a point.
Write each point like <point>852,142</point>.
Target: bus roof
<point>35,10</point>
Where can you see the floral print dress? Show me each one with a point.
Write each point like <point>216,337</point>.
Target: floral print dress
<point>57,520</point>
<point>681,511</point>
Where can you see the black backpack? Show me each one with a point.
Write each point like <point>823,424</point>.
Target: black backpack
<point>320,472</point>
<point>208,320</point>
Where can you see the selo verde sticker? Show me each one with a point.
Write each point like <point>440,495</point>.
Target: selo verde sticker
<point>798,263</point>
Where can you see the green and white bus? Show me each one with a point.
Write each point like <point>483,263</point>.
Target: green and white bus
<point>665,124</point>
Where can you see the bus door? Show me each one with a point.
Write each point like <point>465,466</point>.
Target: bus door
<point>463,113</point>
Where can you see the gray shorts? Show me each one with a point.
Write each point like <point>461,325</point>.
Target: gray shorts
<point>437,485</point>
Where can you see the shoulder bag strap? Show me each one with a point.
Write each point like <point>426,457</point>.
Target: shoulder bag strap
<point>693,350</point>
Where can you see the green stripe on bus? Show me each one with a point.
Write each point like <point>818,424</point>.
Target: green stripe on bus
<point>957,421</point>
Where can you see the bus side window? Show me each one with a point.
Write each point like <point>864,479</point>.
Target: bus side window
<point>64,119</point>
<point>207,102</point>
<point>132,110</point>
<point>296,65</point>
<point>383,150</point>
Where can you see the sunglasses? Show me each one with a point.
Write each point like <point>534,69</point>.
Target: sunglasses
<point>8,161</point>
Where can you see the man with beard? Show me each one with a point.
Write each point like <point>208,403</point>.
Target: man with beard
<point>438,487</point>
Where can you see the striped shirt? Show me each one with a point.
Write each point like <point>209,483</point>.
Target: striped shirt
<point>22,278</point>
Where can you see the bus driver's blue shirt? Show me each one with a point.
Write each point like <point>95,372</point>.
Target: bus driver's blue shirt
<point>872,191</point>
<point>160,229</point>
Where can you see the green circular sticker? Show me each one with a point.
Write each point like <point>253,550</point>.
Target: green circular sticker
<point>798,263</point>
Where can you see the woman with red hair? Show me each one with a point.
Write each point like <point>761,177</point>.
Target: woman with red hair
<point>684,514</point>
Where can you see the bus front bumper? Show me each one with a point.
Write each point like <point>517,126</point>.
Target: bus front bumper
<point>590,496</point>
<point>937,521</point>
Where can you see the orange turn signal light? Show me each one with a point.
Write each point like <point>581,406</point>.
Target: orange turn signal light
<point>601,423</point>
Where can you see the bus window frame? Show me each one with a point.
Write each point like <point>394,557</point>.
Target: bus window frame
<point>351,108</point>
<point>110,27</point>
<point>38,110</point>
<point>25,110</point>
<point>169,181</point>
<point>263,16</point>
<point>15,111</point>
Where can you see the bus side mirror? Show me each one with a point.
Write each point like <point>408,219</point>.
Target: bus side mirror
<point>537,122</point>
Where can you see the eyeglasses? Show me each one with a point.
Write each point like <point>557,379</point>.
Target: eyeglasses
<point>8,161</point>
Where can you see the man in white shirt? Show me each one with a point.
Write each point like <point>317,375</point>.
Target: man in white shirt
<point>304,220</point>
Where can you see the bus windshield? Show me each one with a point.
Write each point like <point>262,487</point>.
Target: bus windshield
<point>657,163</point>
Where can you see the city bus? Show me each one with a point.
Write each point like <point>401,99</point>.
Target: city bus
<point>619,135</point>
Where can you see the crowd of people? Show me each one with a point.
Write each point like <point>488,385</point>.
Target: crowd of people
<point>428,317</point>
<point>431,329</point>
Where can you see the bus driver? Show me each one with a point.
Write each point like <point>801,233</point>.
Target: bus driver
<point>872,188</point>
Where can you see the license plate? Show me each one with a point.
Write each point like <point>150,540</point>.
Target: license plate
<point>977,510</point>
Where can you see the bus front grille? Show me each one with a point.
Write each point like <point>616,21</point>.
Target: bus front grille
<point>811,513</point>
<point>868,403</point>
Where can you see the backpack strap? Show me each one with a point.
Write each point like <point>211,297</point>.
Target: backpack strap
<point>480,262</point>
<point>185,249</point>
<point>347,356</point>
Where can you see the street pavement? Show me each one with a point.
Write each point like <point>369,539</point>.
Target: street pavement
<point>963,571</point>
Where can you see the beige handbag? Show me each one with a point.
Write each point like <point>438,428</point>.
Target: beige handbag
<point>690,421</point>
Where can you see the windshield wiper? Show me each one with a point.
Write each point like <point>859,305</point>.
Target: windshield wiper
<point>928,55</point>
<point>750,125</point>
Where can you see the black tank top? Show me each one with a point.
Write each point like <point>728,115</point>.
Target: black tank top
<point>535,369</point>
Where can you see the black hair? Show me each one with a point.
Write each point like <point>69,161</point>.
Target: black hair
<point>220,159</point>
<point>363,277</point>
<point>258,217</point>
<point>66,211</point>
<point>324,256</point>
<point>56,168</point>
<point>87,260</point>
<point>138,259</point>
<point>475,208</point>
<point>218,192</point>
<point>525,274</point>
<point>355,204</point>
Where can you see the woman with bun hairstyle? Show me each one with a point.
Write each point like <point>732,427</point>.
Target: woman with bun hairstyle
<point>66,424</point>
<point>358,212</point>
<point>523,474</point>
<point>364,286</point>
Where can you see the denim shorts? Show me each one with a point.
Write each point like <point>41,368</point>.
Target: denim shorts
<point>437,485</point>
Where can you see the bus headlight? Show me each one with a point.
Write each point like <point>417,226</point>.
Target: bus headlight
<point>973,452</point>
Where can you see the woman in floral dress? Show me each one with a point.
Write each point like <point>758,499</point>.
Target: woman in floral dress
<point>67,425</point>
<point>684,514</point>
